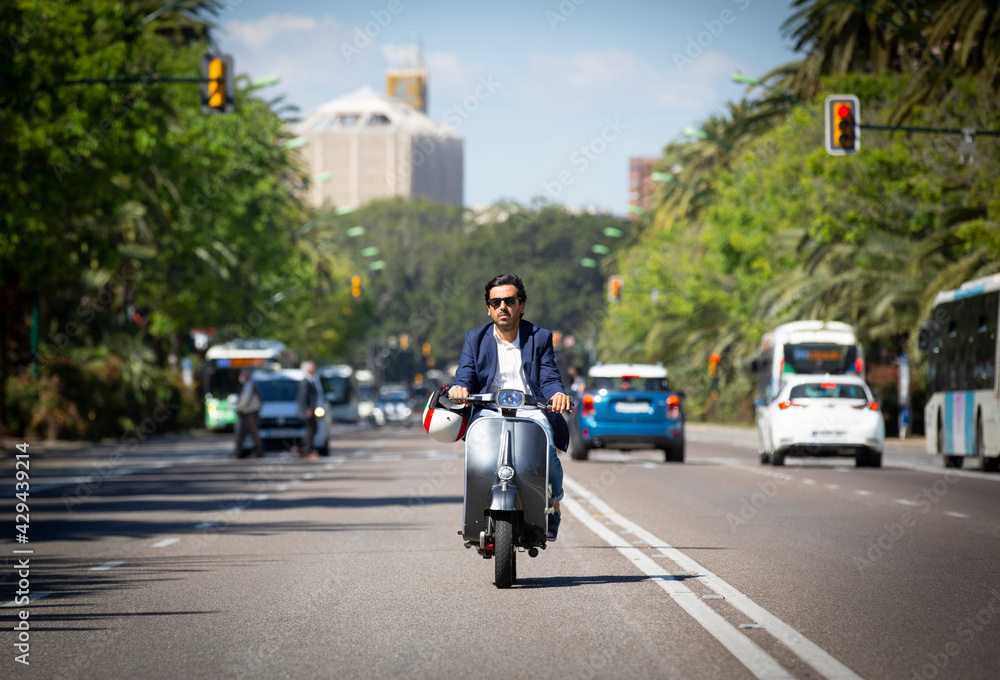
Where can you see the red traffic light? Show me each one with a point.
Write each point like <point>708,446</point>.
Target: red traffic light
<point>842,124</point>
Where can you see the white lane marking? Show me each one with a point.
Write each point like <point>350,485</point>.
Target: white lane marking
<point>165,542</point>
<point>308,476</point>
<point>804,648</point>
<point>386,458</point>
<point>906,501</point>
<point>941,470</point>
<point>766,471</point>
<point>743,648</point>
<point>833,486</point>
<point>281,487</point>
<point>205,525</point>
<point>107,565</point>
<point>862,492</point>
<point>738,462</point>
<point>31,598</point>
<point>809,481</point>
<point>960,515</point>
<point>261,497</point>
<point>708,439</point>
<point>434,454</point>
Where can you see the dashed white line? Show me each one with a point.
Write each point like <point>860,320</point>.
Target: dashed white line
<point>862,492</point>
<point>960,515</point>
<point>165,542</point>
<point>906,501</point>
<point>107,565</point>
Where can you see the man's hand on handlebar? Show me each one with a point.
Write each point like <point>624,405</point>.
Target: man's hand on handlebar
<point>458,393</point>
<point>560,402</point>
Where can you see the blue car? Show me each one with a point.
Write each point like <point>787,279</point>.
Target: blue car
<point>628,406</point>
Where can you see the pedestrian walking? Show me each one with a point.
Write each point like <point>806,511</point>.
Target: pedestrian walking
<point>247,408</point>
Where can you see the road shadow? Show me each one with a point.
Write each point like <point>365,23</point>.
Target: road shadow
<point>575,581</point>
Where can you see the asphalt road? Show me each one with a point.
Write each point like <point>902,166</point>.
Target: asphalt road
<point>171,560</point>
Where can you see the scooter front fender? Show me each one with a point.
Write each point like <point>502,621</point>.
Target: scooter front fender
<point>504,500</point>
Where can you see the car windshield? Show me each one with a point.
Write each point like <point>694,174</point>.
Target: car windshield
<point>278,390</point>
<point>827,391</point>
<point>629,384</point>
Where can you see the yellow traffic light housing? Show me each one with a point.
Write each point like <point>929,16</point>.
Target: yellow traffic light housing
<point>843,121</point>
<point>356,286</point>
<point>615,284</point>
<point>217,84</point>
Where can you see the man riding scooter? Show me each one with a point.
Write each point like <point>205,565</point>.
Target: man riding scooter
<point>511,353</point>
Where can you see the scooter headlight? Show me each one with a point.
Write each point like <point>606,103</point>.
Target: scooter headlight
<point>505,473</point>
<point>510,399</point>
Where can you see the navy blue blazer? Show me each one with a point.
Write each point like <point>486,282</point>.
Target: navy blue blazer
<point>478,366</point>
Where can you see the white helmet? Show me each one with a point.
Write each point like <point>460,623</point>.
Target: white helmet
<point>444,420</point>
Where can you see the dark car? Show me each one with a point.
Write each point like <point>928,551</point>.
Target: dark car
<point>278,422</point>
<point>393,405</point>
<point>628,406</point>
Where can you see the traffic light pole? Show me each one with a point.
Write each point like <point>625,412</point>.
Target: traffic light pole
<point>956,131</point>
<point>147,80</point>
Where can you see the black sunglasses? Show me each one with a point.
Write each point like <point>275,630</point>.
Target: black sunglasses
<point>509,301</point>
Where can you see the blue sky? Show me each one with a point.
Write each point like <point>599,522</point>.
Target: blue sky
<point>552,96</point>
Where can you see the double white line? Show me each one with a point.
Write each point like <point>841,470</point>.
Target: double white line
<point>757,661</point>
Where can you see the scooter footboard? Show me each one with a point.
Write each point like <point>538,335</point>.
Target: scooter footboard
<point>528,445</point>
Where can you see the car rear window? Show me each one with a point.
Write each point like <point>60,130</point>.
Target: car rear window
<point>827,391</point>
<point>629,384</point>
<point>278,390</point>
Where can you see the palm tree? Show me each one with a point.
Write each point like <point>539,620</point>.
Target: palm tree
<point>937,42</point>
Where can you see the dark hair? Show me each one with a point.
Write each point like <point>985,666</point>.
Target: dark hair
<point>507,280</point>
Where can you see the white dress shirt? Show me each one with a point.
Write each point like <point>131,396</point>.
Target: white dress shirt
<point>510,369</point>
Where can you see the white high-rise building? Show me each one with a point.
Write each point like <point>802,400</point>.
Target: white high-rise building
<point>364,145</point>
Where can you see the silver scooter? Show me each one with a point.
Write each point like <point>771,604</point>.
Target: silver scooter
<point>506,505</point>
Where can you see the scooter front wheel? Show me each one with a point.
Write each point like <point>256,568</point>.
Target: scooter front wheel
<point>504,554</point>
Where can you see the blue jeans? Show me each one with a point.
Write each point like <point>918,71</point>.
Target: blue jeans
<point>555,466</point>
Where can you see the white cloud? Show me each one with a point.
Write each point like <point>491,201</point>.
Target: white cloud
<point>402,56</point>
<point>264,31</point>
<point>316,59</point>
<point>618,77</point>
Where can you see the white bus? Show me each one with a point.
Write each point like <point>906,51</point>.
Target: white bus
<point>813,347</point>
<point>962,414</point>
<point>220,378</point>
<point>341,387</point>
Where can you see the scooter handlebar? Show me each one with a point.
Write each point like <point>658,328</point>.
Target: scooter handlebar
<point>491,398</point>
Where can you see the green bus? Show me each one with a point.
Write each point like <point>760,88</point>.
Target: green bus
<point>223,364</point>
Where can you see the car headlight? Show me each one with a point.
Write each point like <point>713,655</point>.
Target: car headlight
<point>320,411</point>
<point>505,473</point>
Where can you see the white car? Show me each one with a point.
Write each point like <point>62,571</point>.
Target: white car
<point>821,415</point>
